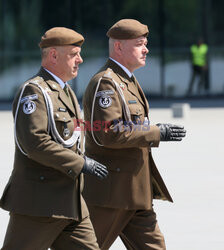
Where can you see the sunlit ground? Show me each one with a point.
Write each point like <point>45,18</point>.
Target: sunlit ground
<point>193,171</point>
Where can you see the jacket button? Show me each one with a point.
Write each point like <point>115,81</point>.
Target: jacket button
<point>118,169</point>
<point>42,178</point>
<point>69,171</point>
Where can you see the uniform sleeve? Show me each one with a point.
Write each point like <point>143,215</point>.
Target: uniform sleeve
<point>115,132</point>
<point>34,139</point>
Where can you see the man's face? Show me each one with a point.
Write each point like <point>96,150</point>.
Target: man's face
<point>68,60</point>
<point>133,53</point>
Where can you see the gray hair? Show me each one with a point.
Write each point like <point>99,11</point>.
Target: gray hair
<point>44,52</point>
<point>111,45</point>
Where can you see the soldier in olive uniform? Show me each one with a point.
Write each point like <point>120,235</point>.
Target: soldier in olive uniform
<point>43,194</point>
<point>121,137</point>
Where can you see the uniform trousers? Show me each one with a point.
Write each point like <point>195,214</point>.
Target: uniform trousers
<point>138,229</point>
<point>40,233</point>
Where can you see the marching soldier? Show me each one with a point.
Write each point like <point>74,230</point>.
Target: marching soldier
<point>43,194</point>
<point>121,205</point>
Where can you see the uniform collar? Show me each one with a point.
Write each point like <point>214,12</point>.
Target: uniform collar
<point>123,67</point>
<point>54,82</point>
<point>57,79</point>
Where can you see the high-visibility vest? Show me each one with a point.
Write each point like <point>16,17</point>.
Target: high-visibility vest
<point>199,54</point>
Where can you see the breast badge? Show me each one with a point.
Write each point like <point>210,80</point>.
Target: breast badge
<point>122,86</point>
<point>66,132</point>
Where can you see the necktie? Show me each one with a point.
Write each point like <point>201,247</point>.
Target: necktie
<point>133,80</point>
<point>67,93</point>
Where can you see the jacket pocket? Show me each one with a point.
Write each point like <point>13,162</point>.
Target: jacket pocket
<point>137,113</point>
<point>64,124</point>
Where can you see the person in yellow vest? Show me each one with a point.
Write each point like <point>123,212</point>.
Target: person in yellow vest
<point>199,65</point>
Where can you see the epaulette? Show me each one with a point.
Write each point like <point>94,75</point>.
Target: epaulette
<point>108,73</point>
<point>36,80</point>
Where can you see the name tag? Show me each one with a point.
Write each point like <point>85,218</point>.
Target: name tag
<point>62,109</point>
<point>132,101</point>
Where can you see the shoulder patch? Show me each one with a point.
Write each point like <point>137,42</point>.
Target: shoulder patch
<point>105,92</point>
<point>105,101</point>
<point>29,107</point>
<point>29,97</point>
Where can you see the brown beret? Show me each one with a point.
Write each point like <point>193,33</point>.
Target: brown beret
<point>60,36</point>
<point>127,29</point>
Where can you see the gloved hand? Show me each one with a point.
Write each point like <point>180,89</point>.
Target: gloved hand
<point>171,132</point>
<point>93,167</point>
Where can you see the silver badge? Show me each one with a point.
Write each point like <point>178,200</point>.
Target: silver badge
<point>29,97</point>
<point>29,107</point>
<point>66,132</point>
<point>105,92</point>
<point>105,101</point>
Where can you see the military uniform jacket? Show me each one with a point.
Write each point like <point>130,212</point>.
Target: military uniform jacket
<point>46,181</point>
<point>133,179</point>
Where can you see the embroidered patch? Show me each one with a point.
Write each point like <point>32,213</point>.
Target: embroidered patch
<point>29,97</point>
<point>105,101</point>
<point>29,107</point>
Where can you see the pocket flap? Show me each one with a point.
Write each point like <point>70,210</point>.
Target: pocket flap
<point>136,109</point>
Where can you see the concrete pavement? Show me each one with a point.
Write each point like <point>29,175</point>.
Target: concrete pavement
<point>192,169</point>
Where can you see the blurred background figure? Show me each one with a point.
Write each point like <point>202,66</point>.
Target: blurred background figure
<point>199,67</point>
